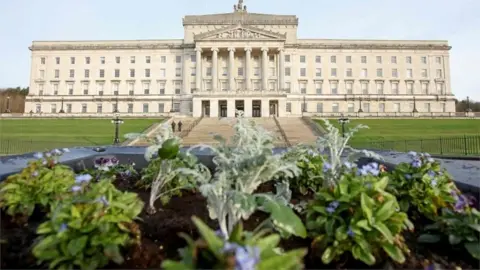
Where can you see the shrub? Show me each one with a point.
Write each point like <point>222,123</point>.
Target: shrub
<point>310,178</point>
<point>422,185</point>
<point>42,183</point>
<point>358,216</point>
<point>89,229</point>
<point>241,250</point>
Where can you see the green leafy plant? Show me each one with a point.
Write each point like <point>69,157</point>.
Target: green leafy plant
<point>461,226</point>
<point>89,229</point>
<point>357,216</point>
<point>42,183</point>
<point>240,250</point>
<point>422,185</point>
<point>109,167</point>
<point>310,179</point>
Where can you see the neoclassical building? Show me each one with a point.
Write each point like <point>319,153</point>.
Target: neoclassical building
<point>240,60</point>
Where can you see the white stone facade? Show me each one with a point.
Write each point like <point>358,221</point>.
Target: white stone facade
<point>240,60</point>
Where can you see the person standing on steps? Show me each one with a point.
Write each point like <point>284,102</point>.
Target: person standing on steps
<point>173,126</point>
<point>180,126</point>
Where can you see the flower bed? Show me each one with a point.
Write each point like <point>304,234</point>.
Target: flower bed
<point>253,210</point>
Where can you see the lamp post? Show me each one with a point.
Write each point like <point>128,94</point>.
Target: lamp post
<point>116,105</point>
<point>171,106</point>
<point>343,121</point>
<point>360,110</point>
<point>61,109</point>
<point>8,105</point>
<point>414,106</point>
<point>304,107</point>
<point>468,104</point>
<point>117,121</point>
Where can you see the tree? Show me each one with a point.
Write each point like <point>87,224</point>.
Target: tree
<point>463,105</point>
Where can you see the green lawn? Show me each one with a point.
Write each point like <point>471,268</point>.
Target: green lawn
<point>25,135</point>
<point>438,136</point>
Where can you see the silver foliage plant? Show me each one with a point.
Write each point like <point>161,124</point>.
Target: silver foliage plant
<point>242,165</point>
<point>335,144</point>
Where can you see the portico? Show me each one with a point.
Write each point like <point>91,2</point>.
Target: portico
<point>251,106</point>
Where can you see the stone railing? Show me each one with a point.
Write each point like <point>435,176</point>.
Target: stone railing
<point>393,115</point>
<point>282,132</point>
<point>240,93</point>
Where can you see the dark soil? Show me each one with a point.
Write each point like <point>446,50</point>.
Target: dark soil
<point>160,239</point>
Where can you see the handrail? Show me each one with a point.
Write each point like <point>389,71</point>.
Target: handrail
<point>315,128</point>
<point>282,132</point>
<point>184,133</point>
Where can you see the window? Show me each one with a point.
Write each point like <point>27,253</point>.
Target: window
<point>272,71</point>
<point>55,88</point>
<point>424,59</point>
<point>117,73</point>
<point>318,59</point>
<point>69,108</point>
<point>349,88</point>
<point>208,85</point>
<point>99,108</point>
<point>444,107</point>
<point>408,59</point>
<point>348,59</point>
<point>163,73</point>
<point>394,73</point>
<point>131,88</point>
<point>319,107</point>
<point>224,71</point>
<point>102,60</point>
<point>57,60</point>
<point>100,89</point>
<point>42,60</point>
<point>427,107</point>
<point>303,87</point>
<point>335,107</point>
<point>145,107</point>
<point>42,74</point>
<point>114,108</point>
<point>333,72</point>
<point>176,107</point>
<point>147,73</point>
<point>438,60</point>
<point>240,71</point>
<point>130,108</point>
<point>147,59</point>
<point>117,59</point>
<point>288,107</point>
<point>72,73</point>
<point>364,59</point>
<point>303,72</point>
<point>256,71</point>
<point>439,74</point>
<point>69,86</point>
<point>318,72</point>
<point>40,89</point>
<point>394,60</point>
<point>288,86</point>
<point>365,88</point>
<point>87,60</point>
<point>287,58</point>
<point>396,107</point>
<point>364,73</point>
<point>53,108</point>
<point>440,89</point>
<point>271,86</point>
<point>318,88</point>
<point>57,73</point>
<point>366,107</point>
<point>395,88</point>
<point>287,72</point>
<point>334,88</point>
<point>161,107</point>
<point>351,108</point>
<point>115,87</point>
<point>302,59</point>
<point>38,108</point>
<point>193,71</point>
<point>333,59</point>
<point>380,88</point>
<point>85,88</point>
<point>163,59</point>
<point>409,73</point>
<point>84,108</point>
<point>132,73</point>
<point>271,58</point>
<point>161,86</point>
<point>193,85</point>
<point>209,71</point>
<point>379,59</point>
<point>132,59</point>
<point>178,59</point>
<point>410,89</point>
<point>146,88</point>
<point>424,73</point>
<point>87,73</point>
<point>379,72</point>
<point>348,72</point>
<point>178,72</point>
<point>72,60</point>
<point>102,73</point>
<point>193,58</point>
<point>178,87</point>
<point>381,107</point>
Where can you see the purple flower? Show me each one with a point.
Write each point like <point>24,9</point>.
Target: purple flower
<point>349,165</point>
<point>430,267</point>
<point>83,178</point>
<point>371,168</point>
<point>461,202</point>
<point>220,234</point>
<point>247,258</point>
<point>350,232</point>
<point>416,163</point>
<point>76,188</point>
<point>332,207</point>
<point>326,167</point>
<point>431,173</point>
<point>408,176</point>
<point>38,155</point>
<point>35,174</point>
<point>63,228</point>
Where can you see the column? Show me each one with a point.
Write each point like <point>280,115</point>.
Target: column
<point>213,107</point>
<point>265,107</point>
<point>281,69</point>
<point>185,78</point>
<point>248,70</point>
<point>198,79</point>
<point>231,107</point>
<point>231,67</point>
<point>248,107</point>
<point>264,69</point>
<point>214,69</point>
<point>197,107</point>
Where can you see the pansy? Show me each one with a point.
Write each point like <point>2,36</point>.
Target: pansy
<point>48,154</point>
<point>416,163</point>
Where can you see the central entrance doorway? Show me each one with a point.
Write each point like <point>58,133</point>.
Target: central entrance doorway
<point>256,108</point>
<point>239,106</point>
<point>206,108</point>
<point>273,107</point>
<point>222,108</point>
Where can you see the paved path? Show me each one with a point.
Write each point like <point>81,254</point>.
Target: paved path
<point>297,131</point>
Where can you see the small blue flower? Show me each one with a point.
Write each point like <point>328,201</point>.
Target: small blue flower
<point>83,178</point>
<point>431,173</point>
<point>247,258</point>
<point>63,228</point>
<point>412,154</point>
<point>371,168</point>
<point>349,165</point>
<point>332,207</point>
<point>408,176</point>
<point>434,183</point>
<point>461,202</point>
<point>35,174</point>
<point>326,167</point>
<point>38,155</point>
<point>220,234</point>
<point>430,267</point>
<point>76,188</point>
<point>350,232</point>
<point>416,163</point>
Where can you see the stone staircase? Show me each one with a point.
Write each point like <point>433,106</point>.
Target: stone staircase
<point>186,122</point>
<point>297,131</point>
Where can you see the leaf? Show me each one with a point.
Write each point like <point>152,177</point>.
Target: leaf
<point>76,245</point>
<point>173,265</point>
<point>429,238</point>
<point>394,252</point>
<point>383,229</point>
<point>476,227</point>
<point>362,255</point>
<point>454,240</point>
<point>343,185</point>
<point>268,242</point>
<point>45,243</point>
<point>473,249</point>
<point>74,212</point>
<point>288,260</point>
<point>284,217</point>
<point>237,233</point>
<point>364,225</point>
<point>328,255</point>
<point>385,211</point>
<point>365,208</point>
<point>381,184</point>
<point>214,243</point>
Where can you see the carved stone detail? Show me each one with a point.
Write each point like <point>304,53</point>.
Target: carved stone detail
<point>240,34</point>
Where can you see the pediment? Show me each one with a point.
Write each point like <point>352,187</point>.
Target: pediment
<point>240,33</point>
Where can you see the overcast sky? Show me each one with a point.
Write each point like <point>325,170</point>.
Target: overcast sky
<point>457,21</point>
